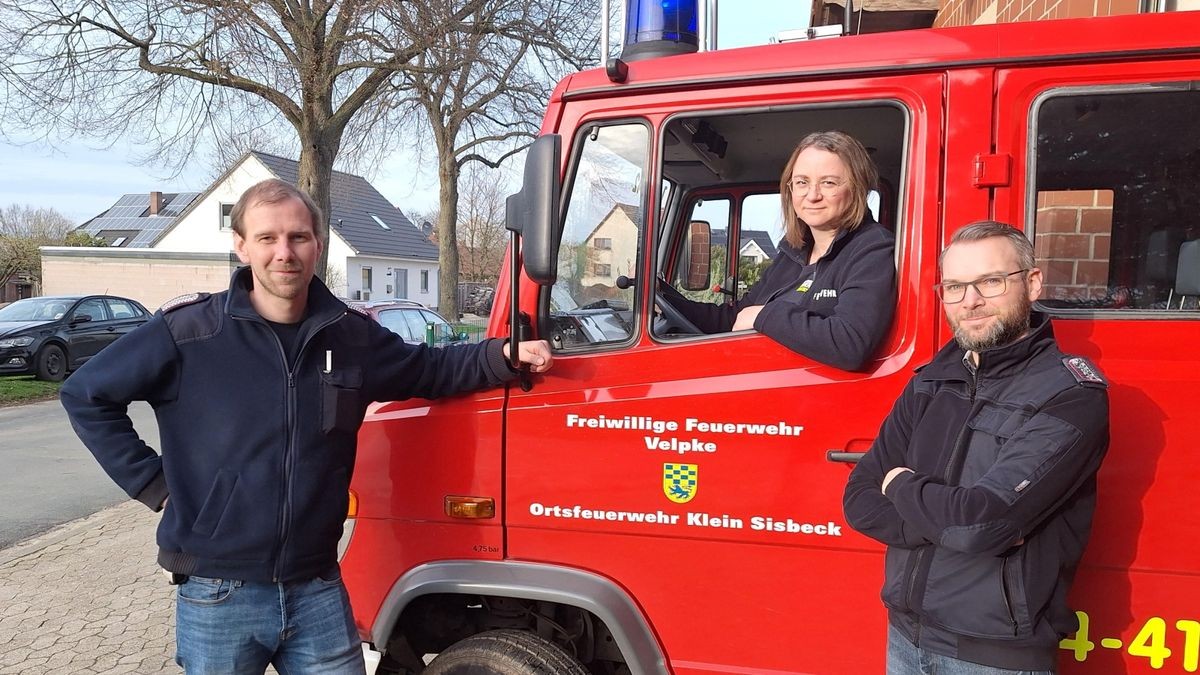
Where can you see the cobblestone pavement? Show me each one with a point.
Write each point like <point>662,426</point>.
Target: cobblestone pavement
<point>87,597</point>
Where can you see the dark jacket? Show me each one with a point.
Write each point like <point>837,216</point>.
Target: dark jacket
<point>839,317</point>
<point>985,534</point>
<point>256,456</point>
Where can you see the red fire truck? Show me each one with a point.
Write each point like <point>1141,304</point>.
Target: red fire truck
<point>665,501</point>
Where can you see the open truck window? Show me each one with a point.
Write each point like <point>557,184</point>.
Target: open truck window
<point>718,239</point>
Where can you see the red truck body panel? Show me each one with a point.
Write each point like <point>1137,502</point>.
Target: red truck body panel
<point>758,572</point>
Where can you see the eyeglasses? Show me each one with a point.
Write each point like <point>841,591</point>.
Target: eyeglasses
<point>825,186</point>
<point>953,292</point>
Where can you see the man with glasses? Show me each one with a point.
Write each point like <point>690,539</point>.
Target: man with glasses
<point>982,481</point>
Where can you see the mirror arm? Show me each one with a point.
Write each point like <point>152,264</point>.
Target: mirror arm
<point>514,308</point>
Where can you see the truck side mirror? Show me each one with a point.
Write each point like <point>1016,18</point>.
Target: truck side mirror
<point>696,256</point>
<point>533,213</point>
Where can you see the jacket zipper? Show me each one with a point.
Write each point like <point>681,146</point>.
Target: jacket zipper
<point>947,475</point>
<point>1012,618</point>
<point>290,426</point>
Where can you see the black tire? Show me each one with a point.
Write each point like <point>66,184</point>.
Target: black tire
<point>51,364</point>
<point>504,652</point>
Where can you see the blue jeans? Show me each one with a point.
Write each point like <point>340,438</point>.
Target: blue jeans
<point>905,658</point>
<point>227,627</point>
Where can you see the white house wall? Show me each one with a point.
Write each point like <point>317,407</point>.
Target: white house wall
<point>200,229</point>
<point>752,250</point>
<point>386,272</point>
<point>195,256</point>
<point>339,251</point>
<point>620,258</point>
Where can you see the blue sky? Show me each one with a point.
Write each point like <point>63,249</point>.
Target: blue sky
<point>81,179</point>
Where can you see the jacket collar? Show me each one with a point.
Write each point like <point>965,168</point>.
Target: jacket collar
<point>322,305</point>
<point>844,235</point>
<point>997,362</point>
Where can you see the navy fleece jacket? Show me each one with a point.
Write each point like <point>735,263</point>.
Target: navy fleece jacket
<point>838,317</point>
<point>256,454</point>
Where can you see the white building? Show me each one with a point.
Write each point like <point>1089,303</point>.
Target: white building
<point>375,251</point>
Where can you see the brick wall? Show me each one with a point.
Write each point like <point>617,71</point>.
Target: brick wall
<point>1072,236</point>
<point>150,277</point>
<point>968,12</point>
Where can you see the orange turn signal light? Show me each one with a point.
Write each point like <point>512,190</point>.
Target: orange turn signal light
<point>470,507</point>
<point>352,508</point>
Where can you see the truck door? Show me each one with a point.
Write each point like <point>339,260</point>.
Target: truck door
<point>1107,183</point>
<point>695,471</point>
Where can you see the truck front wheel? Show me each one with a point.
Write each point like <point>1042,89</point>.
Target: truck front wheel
<point>504,652</point>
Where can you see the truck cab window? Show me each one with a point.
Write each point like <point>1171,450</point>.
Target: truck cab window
<point>1114,198</point>
<point>592,301</point>
<point>761,230</point>
<point>728,221</point>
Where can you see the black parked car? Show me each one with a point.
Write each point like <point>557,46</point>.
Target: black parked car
<point>52,336</point>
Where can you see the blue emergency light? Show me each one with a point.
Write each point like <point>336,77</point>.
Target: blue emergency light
<point>660,28</point>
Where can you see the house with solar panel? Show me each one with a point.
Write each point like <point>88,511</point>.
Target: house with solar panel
<point>139,220</point>
<point>161,245</point>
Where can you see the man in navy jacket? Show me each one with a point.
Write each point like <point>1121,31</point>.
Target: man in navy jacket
<point>982,481</point>
<point>259,392</point>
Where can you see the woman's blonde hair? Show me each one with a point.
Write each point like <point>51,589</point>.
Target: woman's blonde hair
<point>863,177</point>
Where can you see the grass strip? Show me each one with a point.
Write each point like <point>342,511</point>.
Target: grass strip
<point>19,389</point>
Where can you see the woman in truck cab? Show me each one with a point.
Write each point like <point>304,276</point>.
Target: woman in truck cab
<point>830,292</point>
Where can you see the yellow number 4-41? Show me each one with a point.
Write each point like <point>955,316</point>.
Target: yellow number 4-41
<point>1151,642</point>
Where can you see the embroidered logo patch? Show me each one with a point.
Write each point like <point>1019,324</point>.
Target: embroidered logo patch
<point>182,301</point>
<point>803,288</point>
<point>1083,370</point>
<point>825,293</point>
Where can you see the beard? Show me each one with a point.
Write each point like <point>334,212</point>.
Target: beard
<point>1010,325</point>
<point>279,289</point>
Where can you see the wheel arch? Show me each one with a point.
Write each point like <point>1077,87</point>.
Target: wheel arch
<point>529,581</point>
<point>57,342</point>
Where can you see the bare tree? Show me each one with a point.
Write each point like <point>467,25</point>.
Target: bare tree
<point>22,230</point>
<point>177,74</point>
<point>482,93</point>
<point>481,233</point>
<point>335,279</point>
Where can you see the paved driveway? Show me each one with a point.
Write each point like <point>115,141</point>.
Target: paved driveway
<point>48,477</point>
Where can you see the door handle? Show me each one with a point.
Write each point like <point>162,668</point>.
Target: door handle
<point>851,452</point>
